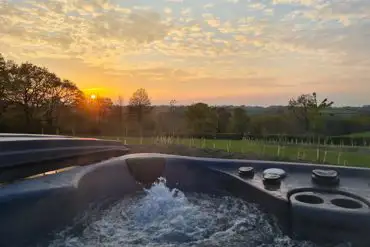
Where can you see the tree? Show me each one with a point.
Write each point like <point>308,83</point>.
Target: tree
<point>201,119</point>
<point>39,94</point>
<point>4,81</point>
<point>266,124</point>
<point>240,121</point>
<point>60,95</point>
<point>120,114</point>
<point>4,84</point>
<point>308,110</point>
<point>173,115</point>
<point>139,106</point>
<point>223,119</point>
<point>29,89</point>
<point>38,100</point>
<point>104,106</point>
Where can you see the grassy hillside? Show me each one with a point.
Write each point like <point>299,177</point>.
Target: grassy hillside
<point>334,155</point>
<point>360,134</point>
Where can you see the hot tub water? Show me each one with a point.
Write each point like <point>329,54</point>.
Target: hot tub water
<point>164,217</point>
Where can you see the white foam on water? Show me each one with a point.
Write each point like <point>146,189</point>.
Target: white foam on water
<point>166,218</point>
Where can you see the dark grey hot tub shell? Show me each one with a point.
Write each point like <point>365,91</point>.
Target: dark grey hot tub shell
<point>24,156</point>
<point>33,209</point>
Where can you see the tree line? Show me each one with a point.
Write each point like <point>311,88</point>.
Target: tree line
<point>35,100</point>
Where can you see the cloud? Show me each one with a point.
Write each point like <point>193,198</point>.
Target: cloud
<point>232,1</point>
<point>299,2</point>
<point>195,39</point>
<point>346,13</point>
<point>167,10</point>
<point>258,6</point>
<point>137,27</point>
<point>175,1</point>
<point>211,20</point>
<point>80,28</point>
<point>159,72</point>
<point>268,11</point>
<point>95,30</point>
<point>240,82</point>
<point>208,6</point>
<point>185,11</point>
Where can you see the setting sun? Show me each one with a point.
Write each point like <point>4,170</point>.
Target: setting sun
<point>93,96</point>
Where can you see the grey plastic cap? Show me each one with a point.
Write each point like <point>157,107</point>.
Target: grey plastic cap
<point>325,177</point>
<point>246,171</point>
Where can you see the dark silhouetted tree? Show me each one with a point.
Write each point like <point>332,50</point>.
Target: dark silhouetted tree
<point>307,109</point>
<point>201,119</point>
<point>240,121</point>
<point>139,107</point>
<point>5,84</point>
<point>173,115</point>
<point>120,115</point>
<point>61,95</point>
<point>223,119</point>
<point>30,87</point>
<point>104,107</point>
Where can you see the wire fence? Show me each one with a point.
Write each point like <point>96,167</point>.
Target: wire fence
<point>320,154</point>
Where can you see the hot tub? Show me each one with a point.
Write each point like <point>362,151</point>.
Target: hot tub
<point>320,204</point>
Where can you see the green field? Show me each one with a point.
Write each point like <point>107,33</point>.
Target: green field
<point>325,154</point>
<point>360,134</point>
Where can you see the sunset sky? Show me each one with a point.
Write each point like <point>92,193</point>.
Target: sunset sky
<point>217,51</point>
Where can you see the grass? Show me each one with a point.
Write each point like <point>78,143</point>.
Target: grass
<point>334,155</point>
<point>360,134</point>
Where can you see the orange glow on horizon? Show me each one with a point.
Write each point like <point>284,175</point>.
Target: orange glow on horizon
<point>196,51</point>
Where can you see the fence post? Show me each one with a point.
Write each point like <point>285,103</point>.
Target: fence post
<point>318,154</point>
<point>324,160</point>
<point>338,158</point>
<point>318,149</point>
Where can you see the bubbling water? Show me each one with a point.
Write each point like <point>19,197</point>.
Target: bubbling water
<point>166,218</point>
